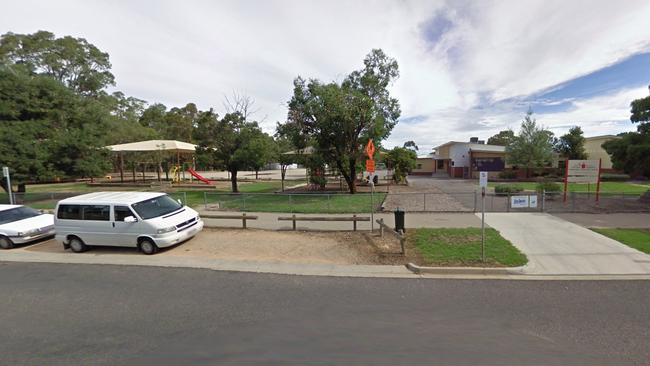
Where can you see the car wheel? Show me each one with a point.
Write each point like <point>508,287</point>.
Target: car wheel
<point>6,243</point>
<point>77,245</point>
<point>147,246</point>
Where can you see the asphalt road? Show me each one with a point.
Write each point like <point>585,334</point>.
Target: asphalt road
<point>104,315</point>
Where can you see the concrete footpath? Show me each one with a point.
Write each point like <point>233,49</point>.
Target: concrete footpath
<point>269,220</point>
<point>558,247</point>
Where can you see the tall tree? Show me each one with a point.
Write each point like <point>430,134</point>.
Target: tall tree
<point>572,144</point>
<point>411,144</point>
<point>503,138</point>
<point>74,62</point>
<point>340,118</point>
<point>234,145</point>
<point>532,147</point>
<point>631,153</point>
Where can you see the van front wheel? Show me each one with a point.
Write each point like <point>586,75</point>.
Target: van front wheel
<point>147,246</point>
<point>77,245</point>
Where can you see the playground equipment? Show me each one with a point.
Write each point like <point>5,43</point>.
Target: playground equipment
<point>198,176</point>
<point>176,174</point>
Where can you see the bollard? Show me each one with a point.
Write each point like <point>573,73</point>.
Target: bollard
<point>294,222</point>
<point>244,220</point>
<point>381,228</point>
<point>354,222</point>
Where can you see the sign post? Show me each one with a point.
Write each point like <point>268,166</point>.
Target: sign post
<point>582,171</point>
<point>370,168</point>
<point>483,181</point>
<point>5,173</point>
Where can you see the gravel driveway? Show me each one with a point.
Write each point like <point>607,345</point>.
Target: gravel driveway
<point>432,194</point>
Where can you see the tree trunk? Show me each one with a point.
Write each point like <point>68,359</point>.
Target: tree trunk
<point>283,173</point>
<point>351,180</point>
<point>233,181</point>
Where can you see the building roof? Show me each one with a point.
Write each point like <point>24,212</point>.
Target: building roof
<point>450,143</point>
<point>126,198</point>
<point>155,145</point>
<point>487,148</point>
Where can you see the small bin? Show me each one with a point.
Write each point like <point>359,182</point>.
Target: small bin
<point>399,220</point>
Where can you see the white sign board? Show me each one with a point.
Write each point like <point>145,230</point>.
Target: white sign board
<point>532,200</point>
<point>483,179</point>
<point>5,171</point>
<point>583,171</point>
<point>519,201</point>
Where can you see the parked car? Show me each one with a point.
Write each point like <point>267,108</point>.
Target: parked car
<point>146,220</point>
<point>21,224</point>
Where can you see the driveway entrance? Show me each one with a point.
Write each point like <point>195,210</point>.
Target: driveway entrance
<point>558,247</point>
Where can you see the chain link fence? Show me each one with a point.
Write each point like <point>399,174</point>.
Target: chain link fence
<point>609,202</point>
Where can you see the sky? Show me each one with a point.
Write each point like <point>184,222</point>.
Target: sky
<point>467,68</point>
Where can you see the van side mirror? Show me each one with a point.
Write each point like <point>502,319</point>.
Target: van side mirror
<point>179,201</point>
<point>130,219</point>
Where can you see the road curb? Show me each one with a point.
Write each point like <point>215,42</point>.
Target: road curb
<point>464,270</point>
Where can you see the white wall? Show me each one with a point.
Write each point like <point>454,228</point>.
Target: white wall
<point>459,154</point>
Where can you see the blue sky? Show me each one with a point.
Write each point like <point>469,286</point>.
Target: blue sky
<point>468,68</point>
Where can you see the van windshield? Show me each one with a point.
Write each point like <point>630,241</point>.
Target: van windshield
<point>155,207</point>
<point>16,214</point>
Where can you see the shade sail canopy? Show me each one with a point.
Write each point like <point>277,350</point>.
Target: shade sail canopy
<point>155,145</point>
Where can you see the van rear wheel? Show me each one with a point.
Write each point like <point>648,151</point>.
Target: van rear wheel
<point>77,245</point>
<point>6,243</point>
<point>147,246</point>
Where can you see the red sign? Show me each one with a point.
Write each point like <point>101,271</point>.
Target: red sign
<point>370,149</point>
<point>370,166</point>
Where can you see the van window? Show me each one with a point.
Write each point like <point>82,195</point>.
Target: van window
<point>120,212</point>
<point>96,213</point>
<point>155,207</point>
<point>69,212</point>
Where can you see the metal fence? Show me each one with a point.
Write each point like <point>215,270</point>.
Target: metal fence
<point>609,202</point>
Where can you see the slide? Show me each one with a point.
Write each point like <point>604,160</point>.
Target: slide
<point>198,176</point>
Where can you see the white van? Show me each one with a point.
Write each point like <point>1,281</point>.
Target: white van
<point>146,220</point>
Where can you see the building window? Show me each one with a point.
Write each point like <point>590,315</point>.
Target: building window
<point>419,166</point>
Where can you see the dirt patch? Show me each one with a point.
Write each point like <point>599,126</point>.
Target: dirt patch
<point>289,247</point>
<point>270,246</point>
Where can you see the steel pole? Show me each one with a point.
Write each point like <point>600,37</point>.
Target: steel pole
<point>483,224</point>
<point>9,190</point>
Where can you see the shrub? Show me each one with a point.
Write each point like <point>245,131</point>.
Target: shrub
<point>549,187</point>
<point>507,189</point>
<point>508,174</point>
<point>611,177</point>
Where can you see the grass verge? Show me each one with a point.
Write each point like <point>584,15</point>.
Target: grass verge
<point>638,239</point>
<point>462,247</point>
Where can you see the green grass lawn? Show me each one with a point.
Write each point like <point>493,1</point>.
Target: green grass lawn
<point>462,247</point>
<point>297,203</point>
<point>605,187</point>
<point>638,239</point>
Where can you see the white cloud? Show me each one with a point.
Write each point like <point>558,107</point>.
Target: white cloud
<point>198,51</point>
